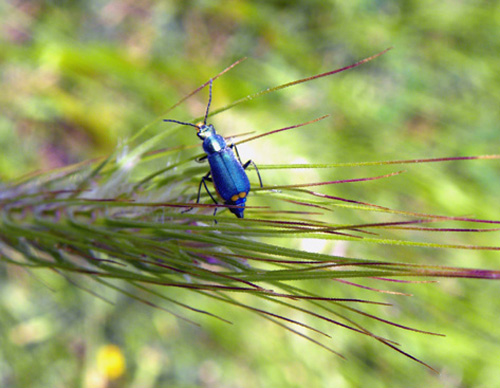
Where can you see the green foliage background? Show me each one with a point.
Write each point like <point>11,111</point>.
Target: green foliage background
<point>79,77</point>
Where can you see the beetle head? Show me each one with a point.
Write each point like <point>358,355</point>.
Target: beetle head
<point>205,130</point>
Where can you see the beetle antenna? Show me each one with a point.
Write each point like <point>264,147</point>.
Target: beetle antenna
<point>181,122</point>
<point>209,101</point>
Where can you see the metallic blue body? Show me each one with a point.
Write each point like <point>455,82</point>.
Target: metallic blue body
<point>226,171</point>
<point>228,175</point>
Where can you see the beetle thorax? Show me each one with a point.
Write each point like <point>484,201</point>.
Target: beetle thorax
<point>214,144</point>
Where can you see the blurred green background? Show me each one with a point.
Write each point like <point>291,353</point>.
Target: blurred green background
<point>79,77</point>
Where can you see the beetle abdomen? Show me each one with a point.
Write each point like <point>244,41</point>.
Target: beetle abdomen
<point>229,177</point>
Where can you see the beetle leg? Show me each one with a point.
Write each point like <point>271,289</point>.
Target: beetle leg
<point>201,159</point>
<point>251,162</point>
<point>233,147</point>
<point>204,184</point>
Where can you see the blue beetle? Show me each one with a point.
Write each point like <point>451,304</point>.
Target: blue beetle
<point>226,170</point>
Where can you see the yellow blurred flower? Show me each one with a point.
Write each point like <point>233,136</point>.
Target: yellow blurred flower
<point>110,361</point>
